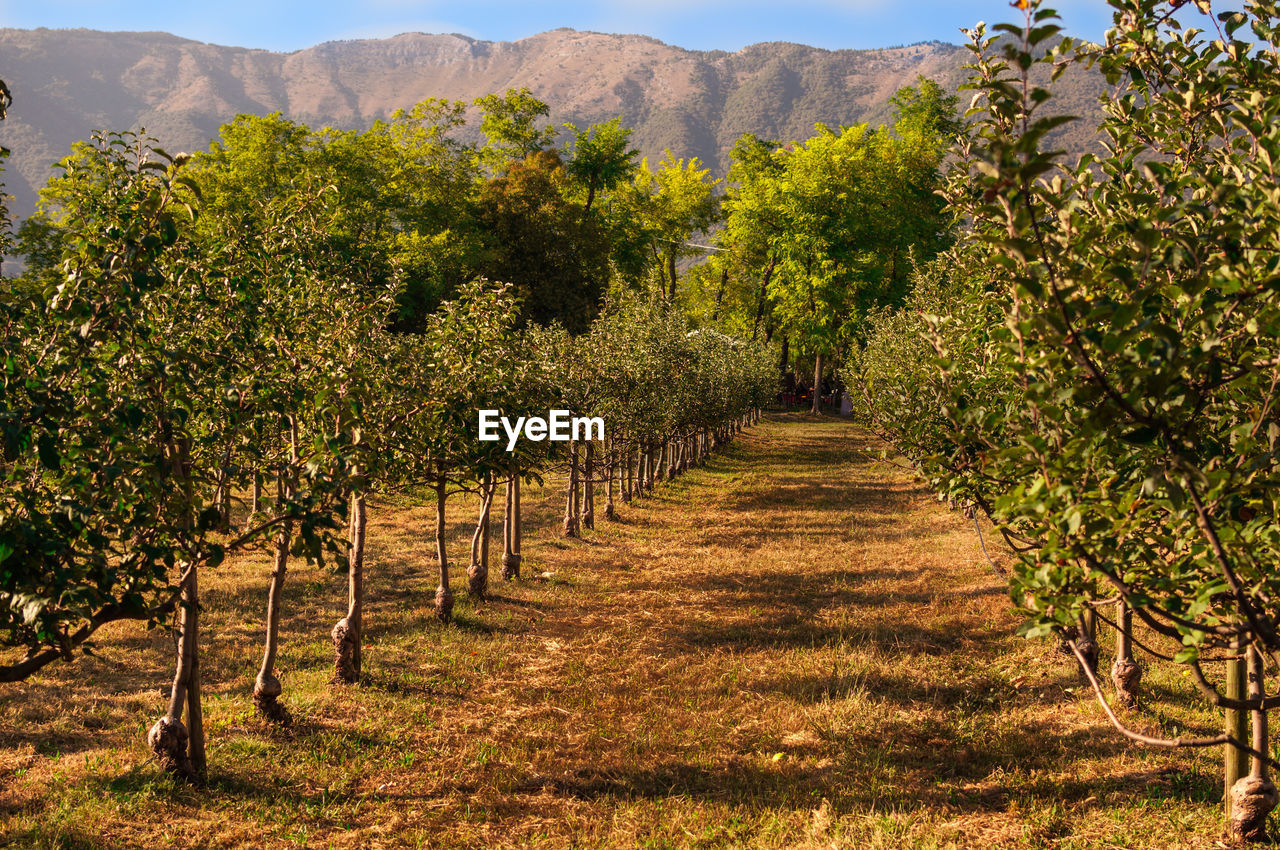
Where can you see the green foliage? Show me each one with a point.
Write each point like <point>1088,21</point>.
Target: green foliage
<point>1095,368</point>
<point>926,108</point>
<point>136,386</point>
<point>932,379</point>
<point>828,226</point>
<point>672,205</point>
<point>396,198</point>
<point>653,379</point>
<point>600,157</point>
<point>541,242</point>
<point>510,126</point>
<point>426,183</point>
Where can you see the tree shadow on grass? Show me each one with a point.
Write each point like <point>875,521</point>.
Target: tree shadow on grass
<point>929,769</point>
<point>787,605</point>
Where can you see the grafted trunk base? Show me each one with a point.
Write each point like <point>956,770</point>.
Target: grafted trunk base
<point>266,696</point>
<point>1089,649</point>
<point>1087,646</point>
<point>510,567</point>
<point>478,580</point>
<point>444,604</point>
<point>344,653</point>
<point>168,740</point>
<point>570,527</point>
<point>1126,675</point>
<point>1252,799</point>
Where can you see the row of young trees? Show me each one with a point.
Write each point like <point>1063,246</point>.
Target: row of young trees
<point>298,321</point>
<point>1095,365</point>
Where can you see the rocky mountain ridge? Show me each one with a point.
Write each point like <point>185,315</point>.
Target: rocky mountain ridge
<point>66,83</point>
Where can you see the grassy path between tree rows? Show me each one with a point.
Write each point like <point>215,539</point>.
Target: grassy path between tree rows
<point>794,646</point>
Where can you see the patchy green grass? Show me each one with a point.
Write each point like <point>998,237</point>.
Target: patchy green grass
<point>794,646</point>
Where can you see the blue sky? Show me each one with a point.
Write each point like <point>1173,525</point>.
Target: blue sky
<point>696,24</point>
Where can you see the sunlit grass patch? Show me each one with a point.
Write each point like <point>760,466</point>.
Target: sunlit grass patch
<point>793,646</point>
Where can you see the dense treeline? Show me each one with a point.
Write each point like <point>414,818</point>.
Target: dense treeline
<point>818,234</point>
<point>1094,365</point>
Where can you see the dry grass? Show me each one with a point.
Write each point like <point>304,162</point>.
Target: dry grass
<point>795,646</point>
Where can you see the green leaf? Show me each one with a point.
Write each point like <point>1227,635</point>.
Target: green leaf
<point>47,447</point>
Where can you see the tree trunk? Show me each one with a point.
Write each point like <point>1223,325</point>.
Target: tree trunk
<point>1235,760</point>
<point>168,738</point>
<point>633,472</point>
<point>224,505</point>
<point>510,522</point>
<point>1254,796</point>
<point>444,596</point>
<point>222,493</point>
<point>570,527</point>
<point>347,634</point>
<point>588,486</point>
<point>179,748</point>
<point>671,273</point>
<point>1125,672</point>
<point>611,457</point>
<point>486,533</point>
<point>478,572</point>
<point>763,300</point>
<point>625,473</point>
<point>266,688</point>
<point>724,282</point>
<point>195,713</point>
<point>517,527</point>
<point>255,506</point>
<point>1086,641</point>
<point>817,384</point>
<point>217,501</point>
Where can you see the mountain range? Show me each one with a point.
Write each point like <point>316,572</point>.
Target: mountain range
<point>67,83</point>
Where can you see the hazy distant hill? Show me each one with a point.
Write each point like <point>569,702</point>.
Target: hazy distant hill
<point>68,82</point>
